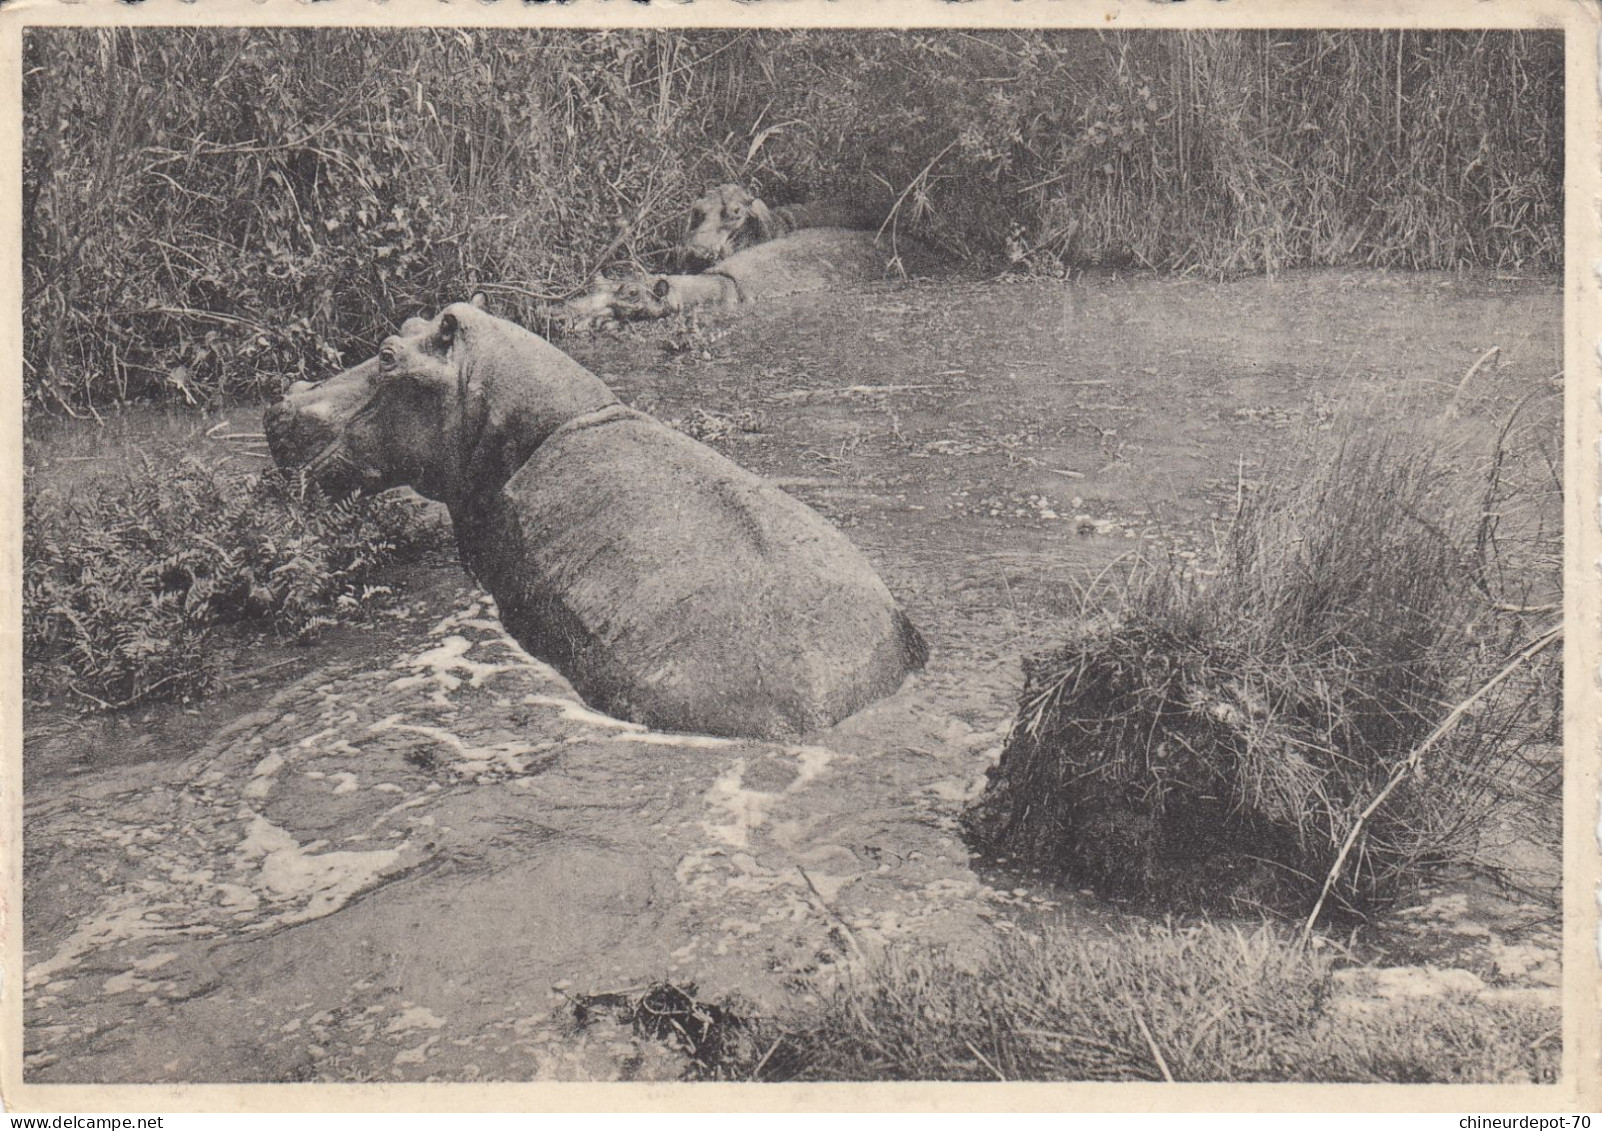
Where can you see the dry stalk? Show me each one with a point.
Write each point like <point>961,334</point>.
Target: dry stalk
<point>984,1060</point>
<point>1151,1042</point>
<point>1473,369</point>
<point>1411,763</point>
<point>845,928</point>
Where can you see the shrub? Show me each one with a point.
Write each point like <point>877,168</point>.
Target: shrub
<point>204,239</point>
<point>122,589</point>
<point>1240,741</point>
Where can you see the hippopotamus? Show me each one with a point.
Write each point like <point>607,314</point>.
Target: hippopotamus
<point>670,586</point>
<point>812,260</point>
<point>589,309</point>
<point>729,218</point>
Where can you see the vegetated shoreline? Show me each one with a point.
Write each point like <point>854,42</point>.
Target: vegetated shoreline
<point>1221,153</point>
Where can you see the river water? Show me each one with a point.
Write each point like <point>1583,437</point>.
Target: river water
<point>390,856</point>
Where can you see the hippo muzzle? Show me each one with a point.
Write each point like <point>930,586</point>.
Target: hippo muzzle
<point>722,220</point>
<point>306,432</point>
<point>294,435</point>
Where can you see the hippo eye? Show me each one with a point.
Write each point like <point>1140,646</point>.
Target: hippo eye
<point>388,356</point>
<point>447,329</point>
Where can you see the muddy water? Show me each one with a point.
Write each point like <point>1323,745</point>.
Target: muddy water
<point>393,857</point>
<point>72,456</point>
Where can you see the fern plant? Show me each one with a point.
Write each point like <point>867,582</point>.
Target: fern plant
<point>124,589</point>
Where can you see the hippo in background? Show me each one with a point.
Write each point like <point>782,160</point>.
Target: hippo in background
<point>728,218</point>
<point>817,244</point>
<point>670,586</point>
<point>817,259</point>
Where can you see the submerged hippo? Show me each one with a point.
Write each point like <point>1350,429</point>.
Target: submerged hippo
<point>670,586</point>
<point>816,259</point>
<point>729,218</point>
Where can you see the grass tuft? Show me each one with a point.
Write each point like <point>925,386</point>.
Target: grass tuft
<point>1198,1003</point>
<point>1224,743</point>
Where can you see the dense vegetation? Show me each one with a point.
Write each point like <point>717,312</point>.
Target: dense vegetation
<point>124,586</point>
<point>1163,1003</point>
<point>213,211</point>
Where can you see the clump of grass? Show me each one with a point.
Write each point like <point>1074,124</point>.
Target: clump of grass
<point>1200,1003</point>
<point>1247,740</point>
<point>122,588</point>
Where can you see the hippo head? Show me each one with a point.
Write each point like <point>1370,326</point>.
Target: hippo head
<point>591,307</point>
<point>450,406</point>
<point>645,297</point>
<point>723,220</point>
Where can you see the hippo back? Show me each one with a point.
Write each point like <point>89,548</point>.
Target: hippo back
<point>818,259</point>
<point>768,621</point>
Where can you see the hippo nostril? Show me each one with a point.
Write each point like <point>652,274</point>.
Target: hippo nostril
<point>299,387</point>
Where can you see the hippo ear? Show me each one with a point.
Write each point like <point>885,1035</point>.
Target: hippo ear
<point>660,287</point>
<point>479,300</point>
<point>759,219</point>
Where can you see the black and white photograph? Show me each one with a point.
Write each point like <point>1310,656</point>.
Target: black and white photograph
<point>671,546</point>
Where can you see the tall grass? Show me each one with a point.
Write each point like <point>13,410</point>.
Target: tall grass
<point>1329,718</point>
<point>207,212</point>
<point>1202,1003</point>
<point>213,211</point>
<point>1153,1002</point>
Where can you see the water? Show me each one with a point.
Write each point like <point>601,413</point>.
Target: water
<point>65,457</point>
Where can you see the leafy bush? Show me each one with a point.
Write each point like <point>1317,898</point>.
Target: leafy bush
<point>208,210</point>
<point>1288,728</point>
<point>314,190</point>
<point>122,589</point>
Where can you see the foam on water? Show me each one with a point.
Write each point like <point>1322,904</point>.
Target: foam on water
<point>437,668</point>
<point>132,978</point>
<point>470,760</point>
<point>571,710</point>
<point>414,1017</point>
<point>127,919</point>
<point>292,872</point>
